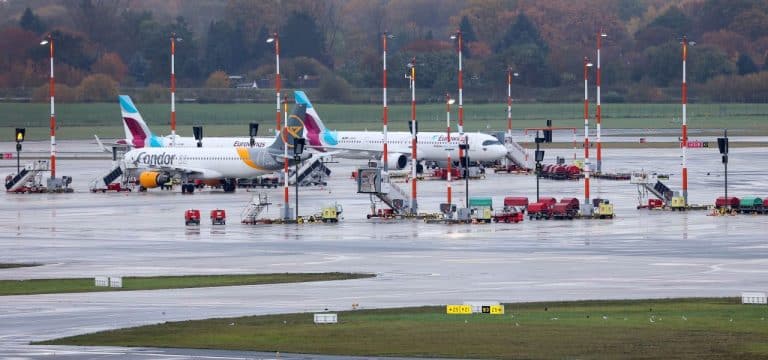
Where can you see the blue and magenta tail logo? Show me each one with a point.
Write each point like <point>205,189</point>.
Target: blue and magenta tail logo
<point>137,132</point>
<point>317,135</point>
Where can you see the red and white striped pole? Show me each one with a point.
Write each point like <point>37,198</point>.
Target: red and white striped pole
<point>52,92</point>
<point>510,74</point>
<point>587,65</point>
<point>459,44</point>
<point>174,38</point>
<point>448,102</point>
<point>414,152</point>
<point>600,36</point>
<point>276,39</point>
<point>685,123</point>
<point>385,118</point>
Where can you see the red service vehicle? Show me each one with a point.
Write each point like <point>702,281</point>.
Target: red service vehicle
<point>549,200</point>
<point>539,210</point>
<point>509,214</point>
<point>218,217</point>
<point>515,201</point>
<point>658,204</point>
<point>731,201</point>
<point>112,187</point>
<point>192,217</point>
<point>564,211</point>
<point>572,202</point>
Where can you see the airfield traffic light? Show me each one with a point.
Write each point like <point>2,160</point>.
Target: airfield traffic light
<point>198,131</point>
<point>548,132</point>
<point>20,132</point>
<point>253,129</point>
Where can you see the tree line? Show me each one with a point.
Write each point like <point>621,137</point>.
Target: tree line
<point>102,45</point>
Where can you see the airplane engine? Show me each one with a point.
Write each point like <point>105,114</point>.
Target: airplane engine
<point>397,161</point>
<point>152,179</point>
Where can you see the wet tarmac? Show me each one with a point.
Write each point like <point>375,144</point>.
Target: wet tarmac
<point>639,254</point>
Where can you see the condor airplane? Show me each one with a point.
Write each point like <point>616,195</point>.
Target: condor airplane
<point>431,146</point>
<point>138,134</point>
<point>155,166</point>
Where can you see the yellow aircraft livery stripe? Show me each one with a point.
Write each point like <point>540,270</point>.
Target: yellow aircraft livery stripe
<point>245,156</point>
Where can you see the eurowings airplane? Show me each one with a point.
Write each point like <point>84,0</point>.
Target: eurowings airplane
<point>431,146</point>
<point>138,134</point>
<point>154,166</point>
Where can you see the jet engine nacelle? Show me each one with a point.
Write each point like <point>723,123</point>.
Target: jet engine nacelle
<point>152,179</point>
<point>397,161</point>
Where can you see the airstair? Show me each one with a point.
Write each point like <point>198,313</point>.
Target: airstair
<point>650,184</point>
<point>394,197</point>
<point>258,204</point>
<point>104,181</point>
<point>29,178</point>
<point>313,172</point>
<point>517,154</point>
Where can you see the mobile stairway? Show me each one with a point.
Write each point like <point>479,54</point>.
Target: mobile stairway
<point>103,182</point>
<point>258,204</point>
<point>29,178</point>
<point>313,172</point>
<point>517,154</point>
<point>394,197</point>
<point>650,184</point>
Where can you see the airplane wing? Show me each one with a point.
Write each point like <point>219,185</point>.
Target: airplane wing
<point>106,146</point>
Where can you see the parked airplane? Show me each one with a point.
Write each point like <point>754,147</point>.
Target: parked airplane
<point>138,134</point>
<point>156,166</point>
<point>431,146</point>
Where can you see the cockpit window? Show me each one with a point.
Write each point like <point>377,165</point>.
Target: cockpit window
<point>491,142</point>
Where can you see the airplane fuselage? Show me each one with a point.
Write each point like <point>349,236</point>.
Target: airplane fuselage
<point>205,163</point>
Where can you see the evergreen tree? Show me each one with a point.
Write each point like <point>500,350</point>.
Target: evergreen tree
<point>467,32</point>
<point>745,65</point>
<point>30,21</point>
<point>137,68</point>
<point>304,36</point>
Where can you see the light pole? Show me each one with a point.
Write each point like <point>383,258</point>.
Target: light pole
<point>464,147</point>
<point>174,39</point>
<point>276,39</point>
<point>448,102</point>
<point>539,158</point>
<point>414,129</point>
<point>510,75</point>
<point>459,45</point>
<point>722,144</point>
<point>298,149</point>
<point>598,115</point>
<point>52,90</point>
<point>587,65</point>
<point>684,146</point>
<point>385,166</point>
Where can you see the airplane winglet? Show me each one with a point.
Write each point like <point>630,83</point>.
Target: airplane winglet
<point>101,144</point>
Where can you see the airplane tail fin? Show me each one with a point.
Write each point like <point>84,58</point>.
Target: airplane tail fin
<point>137,133</point>
<point>293,131</point>
<point>317,134</point>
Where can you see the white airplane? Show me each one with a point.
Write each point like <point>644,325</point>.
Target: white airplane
<point>155,166</point>
<point>138,134</point>
<point>431,146</point>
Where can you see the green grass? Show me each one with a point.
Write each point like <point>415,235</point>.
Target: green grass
<point>17,265</point>
<point>54,286</point>
<point>682,329</point>
<point>78,121</point>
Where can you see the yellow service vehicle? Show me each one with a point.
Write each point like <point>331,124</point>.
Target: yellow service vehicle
<point>677,203</point>
<point>604,210</point>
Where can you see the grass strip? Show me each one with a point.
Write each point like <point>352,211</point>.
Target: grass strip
<point>54,286</point>
<point>713,328</point>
